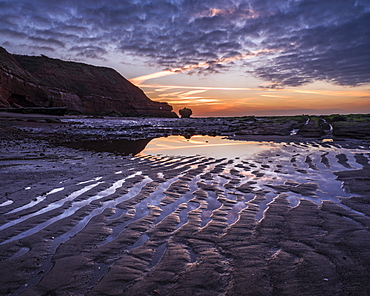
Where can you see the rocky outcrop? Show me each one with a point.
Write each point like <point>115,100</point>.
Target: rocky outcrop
<point>185,112</point>
<point>29,81</point>
<point>269,126</point>
<point>312,129</point>
<point>351,129</point>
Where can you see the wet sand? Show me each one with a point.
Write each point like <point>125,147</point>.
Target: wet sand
<point>293,220</point>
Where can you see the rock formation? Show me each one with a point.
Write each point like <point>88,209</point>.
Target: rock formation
<point>29,81</point>
<point>185,112</point>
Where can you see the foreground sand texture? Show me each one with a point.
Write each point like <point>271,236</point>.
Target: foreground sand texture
<point>292,220</point>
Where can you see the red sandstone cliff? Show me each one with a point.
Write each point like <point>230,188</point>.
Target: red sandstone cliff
<point>44,82</point>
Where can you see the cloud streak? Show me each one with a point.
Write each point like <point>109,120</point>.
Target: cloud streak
<point>307,40</point>
<point>139,80</point>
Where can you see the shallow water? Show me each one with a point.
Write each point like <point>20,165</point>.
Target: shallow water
<point>218,147</point>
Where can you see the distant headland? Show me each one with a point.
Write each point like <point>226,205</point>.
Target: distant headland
<point>41,82</point>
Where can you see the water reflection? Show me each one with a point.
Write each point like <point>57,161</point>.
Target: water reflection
<point>176,145</point>
<point>218,147</point>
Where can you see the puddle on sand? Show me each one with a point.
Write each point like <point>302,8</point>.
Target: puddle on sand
<point>6,203</point>
<point>36,201</point>
<point>218,147</point>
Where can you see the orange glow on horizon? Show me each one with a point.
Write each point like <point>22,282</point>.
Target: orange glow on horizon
<point>346,93</point>
<point>322,98</point>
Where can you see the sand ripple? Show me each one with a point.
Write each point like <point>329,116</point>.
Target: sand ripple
<point>159,225</point>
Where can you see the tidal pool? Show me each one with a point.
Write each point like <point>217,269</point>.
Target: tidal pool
<point>218,147</point>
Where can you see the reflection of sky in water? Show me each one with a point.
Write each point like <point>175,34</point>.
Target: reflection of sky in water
<point>204,145</point>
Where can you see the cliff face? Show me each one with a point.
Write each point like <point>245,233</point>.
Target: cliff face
<point>27,81</point>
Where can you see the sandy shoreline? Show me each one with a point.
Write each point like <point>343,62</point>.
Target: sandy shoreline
<point>94,223</point>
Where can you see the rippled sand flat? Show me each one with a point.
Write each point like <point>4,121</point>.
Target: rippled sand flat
<point>292,219</point>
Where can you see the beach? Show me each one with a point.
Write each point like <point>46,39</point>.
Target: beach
<point>85,210</point>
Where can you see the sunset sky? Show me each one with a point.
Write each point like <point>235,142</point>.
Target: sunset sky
<point>217,57</point>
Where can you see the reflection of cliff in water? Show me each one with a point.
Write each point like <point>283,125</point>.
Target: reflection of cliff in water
<point>123,146</point>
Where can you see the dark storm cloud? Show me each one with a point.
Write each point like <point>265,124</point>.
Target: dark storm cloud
<point>311,40</point>
<point>335,49</point>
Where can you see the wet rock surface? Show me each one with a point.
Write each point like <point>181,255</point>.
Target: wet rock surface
<point>312,129</point>
<point>97,223</point>
<point>352,129</point>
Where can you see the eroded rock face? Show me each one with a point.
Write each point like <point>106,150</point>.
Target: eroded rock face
<point>27,81</point>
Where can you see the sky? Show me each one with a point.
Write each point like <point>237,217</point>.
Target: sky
<point>217,57</point>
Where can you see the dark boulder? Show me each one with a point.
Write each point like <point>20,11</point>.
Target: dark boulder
<point>185,112</point>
